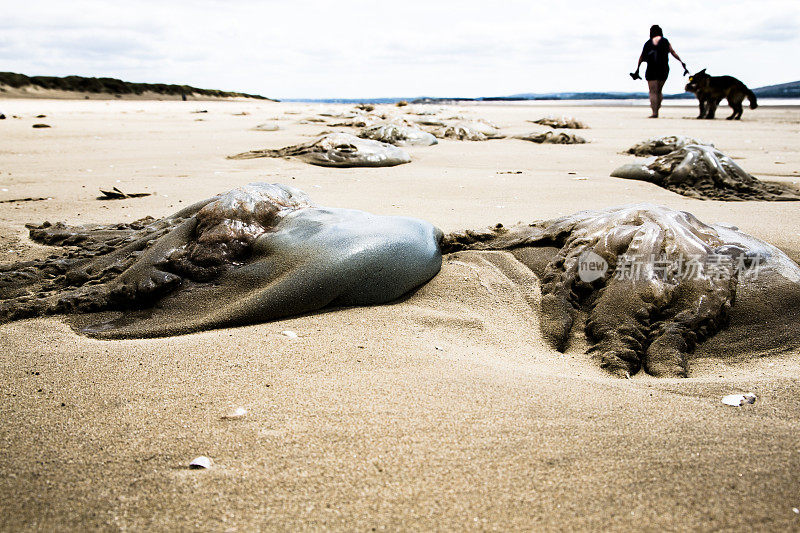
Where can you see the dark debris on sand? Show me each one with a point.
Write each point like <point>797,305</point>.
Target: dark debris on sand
<point>116,194</point>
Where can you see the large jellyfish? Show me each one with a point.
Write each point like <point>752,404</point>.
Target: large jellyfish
<point>550,137</point>
<point>703,172</point>
<point>469,131</point>
<point>398,135</point>
<point>561,122</point>
<point>256,253</point>
<point>337,150</point>
<point>653,282</point>
<point>663,145</point>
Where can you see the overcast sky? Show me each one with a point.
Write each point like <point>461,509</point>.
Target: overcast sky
<point>354,48</point>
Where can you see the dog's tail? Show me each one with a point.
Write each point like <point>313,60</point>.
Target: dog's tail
<point>752,97</point>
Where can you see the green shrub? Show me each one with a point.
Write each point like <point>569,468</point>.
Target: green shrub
<point>112,86</point>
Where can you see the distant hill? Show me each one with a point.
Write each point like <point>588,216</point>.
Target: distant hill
<point>109,86</point>
<point>782,90</point>
<point>569,96</point>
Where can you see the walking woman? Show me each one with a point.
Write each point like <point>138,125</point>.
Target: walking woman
<point>656,54</point>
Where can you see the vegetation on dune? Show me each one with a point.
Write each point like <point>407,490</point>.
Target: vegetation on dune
<point>112,86</point>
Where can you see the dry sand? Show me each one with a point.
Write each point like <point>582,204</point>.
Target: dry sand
<point>444,411</point>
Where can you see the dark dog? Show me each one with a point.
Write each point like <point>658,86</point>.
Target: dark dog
<point>710,90</point>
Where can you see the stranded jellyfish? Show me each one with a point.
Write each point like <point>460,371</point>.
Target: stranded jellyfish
<point>663,145</point>
<point>703,172</point>
<point>337,150</point>
<point>398,135</point>
<point>652,283</point>
<point>256,253</point>
<point>550,137</point>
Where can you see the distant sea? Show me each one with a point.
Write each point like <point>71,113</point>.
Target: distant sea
<point>766,102</point>
<point>672,102</point>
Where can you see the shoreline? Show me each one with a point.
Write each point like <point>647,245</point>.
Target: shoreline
<point>152,97</point>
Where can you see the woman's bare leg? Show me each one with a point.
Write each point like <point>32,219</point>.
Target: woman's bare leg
<point>656,96</point>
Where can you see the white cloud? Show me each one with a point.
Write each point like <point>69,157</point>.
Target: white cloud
<point>359,48</point>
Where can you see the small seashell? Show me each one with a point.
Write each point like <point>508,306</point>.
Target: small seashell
<point>201,462</point>
<point>289,333</point>
<point>738,400</point>
<point>233,414</point>
<point>439,348</point>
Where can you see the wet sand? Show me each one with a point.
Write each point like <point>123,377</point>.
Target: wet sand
<point>443,411</point>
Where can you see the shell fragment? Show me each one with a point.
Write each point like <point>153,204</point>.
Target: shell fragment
<point>738,400</point>
<point>234,414</point>
<point>200,463</point>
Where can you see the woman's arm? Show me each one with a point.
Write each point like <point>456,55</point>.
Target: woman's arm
<point>674,53</point>
<point>635,73</point>
<point>641,60</point>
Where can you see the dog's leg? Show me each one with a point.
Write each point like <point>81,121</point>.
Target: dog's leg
<point>737,111</point>
<point>712,107</point>
<point>735,101</point>
<point>733,107</point>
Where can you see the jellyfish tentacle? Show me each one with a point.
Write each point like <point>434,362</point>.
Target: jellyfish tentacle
<point>558,307</point>
<point>129,274</point>
<point>97,253</point>
<point>667,354</point>
<point>559,296</point>
<point>618,324</point>
<point>699,308</point>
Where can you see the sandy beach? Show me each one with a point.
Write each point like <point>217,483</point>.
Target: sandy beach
<point>443,411</point>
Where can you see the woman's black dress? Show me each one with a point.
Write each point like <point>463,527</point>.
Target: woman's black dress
<point>657,58</point>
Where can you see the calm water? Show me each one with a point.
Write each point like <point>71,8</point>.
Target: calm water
<point>766,102</point>
<point>784,102</point>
